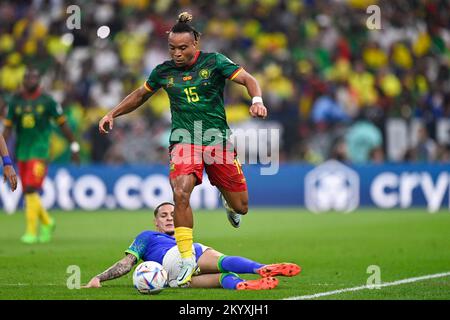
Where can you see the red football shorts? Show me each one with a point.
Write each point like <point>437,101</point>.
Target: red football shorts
<point>32,173</point>
<point>221,164</point>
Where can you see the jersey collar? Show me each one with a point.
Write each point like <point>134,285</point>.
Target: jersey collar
<point>197,54</point>
<point>31,96</point>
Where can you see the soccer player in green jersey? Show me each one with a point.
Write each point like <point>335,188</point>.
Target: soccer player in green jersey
<point>30,111</point>
<point>194,81</point>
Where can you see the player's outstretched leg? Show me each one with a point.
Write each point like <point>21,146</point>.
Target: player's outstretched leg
<point>230,181</point>
<point>243,265</point>
<point>232,281</point>
<point>238,264</point>
<point>182,187</point>
<point>233,217</point>
<point>279,269</point>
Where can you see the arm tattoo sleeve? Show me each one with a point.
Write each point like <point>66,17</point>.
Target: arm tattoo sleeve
<point>119,269</point>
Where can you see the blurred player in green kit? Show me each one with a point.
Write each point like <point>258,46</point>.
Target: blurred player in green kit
<point>195,81</point>
<point>30,113</point>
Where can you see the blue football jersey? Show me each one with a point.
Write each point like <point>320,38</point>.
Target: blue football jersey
<point>153,246</point>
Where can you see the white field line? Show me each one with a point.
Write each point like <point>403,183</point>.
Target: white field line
<point>387,284</point>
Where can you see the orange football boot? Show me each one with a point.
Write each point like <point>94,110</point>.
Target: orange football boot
<point>279,269</point>
<point>259,284</point>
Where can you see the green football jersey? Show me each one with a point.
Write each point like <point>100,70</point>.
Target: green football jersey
<point>31,118</point>
<point>196,97</point>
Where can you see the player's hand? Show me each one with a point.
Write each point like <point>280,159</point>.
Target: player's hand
<point>94,283</point>
<point>10,175</point>
<point>258,110</point>
<point>106,124</point>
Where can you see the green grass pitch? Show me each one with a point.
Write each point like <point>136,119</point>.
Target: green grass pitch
<point>333,249</point>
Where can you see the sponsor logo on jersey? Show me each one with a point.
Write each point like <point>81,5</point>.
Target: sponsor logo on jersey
<point>187,78</point>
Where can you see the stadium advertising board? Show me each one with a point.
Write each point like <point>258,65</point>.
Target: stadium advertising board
<point>329,186</point>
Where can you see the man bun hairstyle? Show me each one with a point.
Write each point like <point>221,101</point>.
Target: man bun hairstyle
<point>183,25</point>
<point>184,17</point>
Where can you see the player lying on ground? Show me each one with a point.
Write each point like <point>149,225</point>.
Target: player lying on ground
<point>216,269</point>
<point>8,170</point>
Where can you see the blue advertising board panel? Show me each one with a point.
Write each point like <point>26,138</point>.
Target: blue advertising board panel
<point>329,186</point>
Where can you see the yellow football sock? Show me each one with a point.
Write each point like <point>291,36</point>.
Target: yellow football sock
<point>184,239</point>
<point>31,212</point>
<point>43,214</point>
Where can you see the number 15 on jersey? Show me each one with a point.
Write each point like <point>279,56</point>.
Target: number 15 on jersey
<point>191,95</point>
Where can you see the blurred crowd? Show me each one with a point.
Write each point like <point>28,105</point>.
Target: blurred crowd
<point>329,82</point>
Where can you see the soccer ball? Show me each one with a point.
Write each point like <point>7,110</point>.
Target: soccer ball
<point>150,277</point>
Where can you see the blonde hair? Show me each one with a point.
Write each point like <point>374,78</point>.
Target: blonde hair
<point>184,17</point>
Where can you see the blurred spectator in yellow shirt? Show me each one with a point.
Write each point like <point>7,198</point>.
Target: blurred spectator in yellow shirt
<point>11,74</point>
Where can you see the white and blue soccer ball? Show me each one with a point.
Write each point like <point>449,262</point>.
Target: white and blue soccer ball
<point>150,277</point>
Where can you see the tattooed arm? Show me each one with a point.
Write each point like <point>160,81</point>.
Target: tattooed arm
<point>119,269</point>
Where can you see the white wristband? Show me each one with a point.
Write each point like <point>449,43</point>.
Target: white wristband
<point>74,147</point>
<point>257,99</point>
